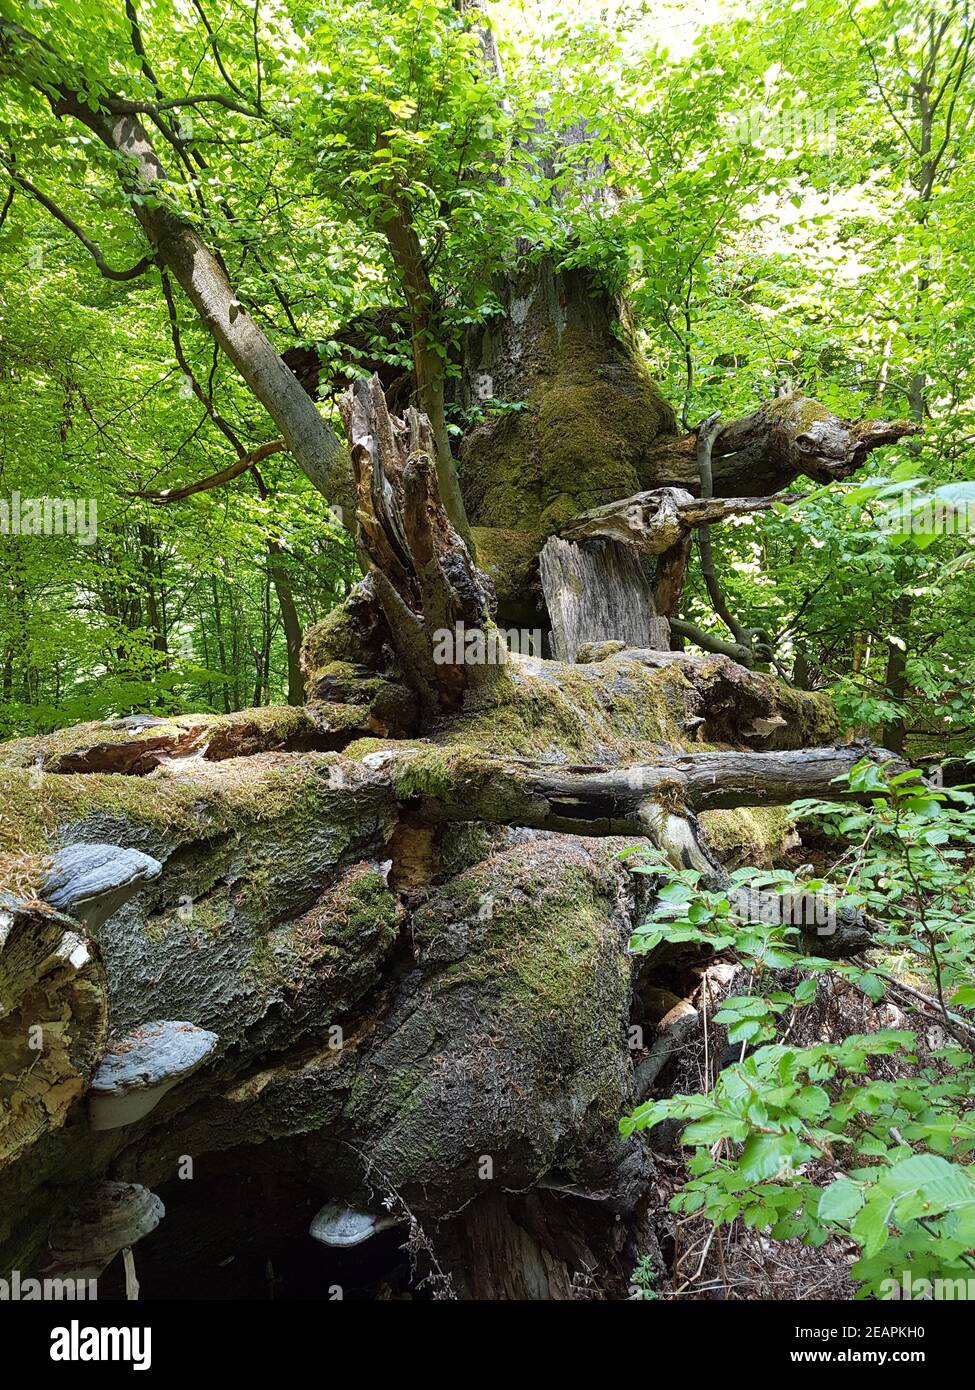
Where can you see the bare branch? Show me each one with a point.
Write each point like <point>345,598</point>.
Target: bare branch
<point>93,250</point>
<point>215,46</point>
<point>226,475</point>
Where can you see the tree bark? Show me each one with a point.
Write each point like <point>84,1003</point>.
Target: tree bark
<point>289,621</point>
<point>599,592</point>
<point>432,595</point>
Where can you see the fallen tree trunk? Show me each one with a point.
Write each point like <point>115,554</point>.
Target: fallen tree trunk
<point>360,1004</point>
<point>390,930</point>
<point>613,801</point>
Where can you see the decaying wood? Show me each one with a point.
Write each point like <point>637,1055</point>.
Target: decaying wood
<point>586,595</point>
<point>598,591</point>
<point>654,521</point>
<point>672,1032</point>
<point>53,1021</point>
<point>614,800</point>
<point>658,526</point>
<point>426,581</point>
<point>786,438</point>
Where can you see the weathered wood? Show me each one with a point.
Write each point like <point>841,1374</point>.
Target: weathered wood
<point>673,1031</point>
<point>658,526</point>
<point>612,801</point>
<point>289,850</point>
<point>53,1021</point>
<point>785,438</point>
<point>654,521</point>
<point>425,578</point>
<point>596,592</point>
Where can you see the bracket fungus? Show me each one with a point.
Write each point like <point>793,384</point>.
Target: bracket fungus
<point>109,1221</point>
<point>91,882</point>
<point>141,1067</point>
<point>342,1227</point>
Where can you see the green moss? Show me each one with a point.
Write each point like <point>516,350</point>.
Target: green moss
<point>243,798</point>
<point>364,905</point>
<point>810,410</point>
<point>584,438</point>
<point>335,638</point>
<point>32,807</point>
<point>455,775</point>
<point>579,712</point>
<point>361,747</point>
<point>751,835</point>
<point>543,953</point>
<point>506,555</point>
<point>354,924</point>
<point>245,731</point>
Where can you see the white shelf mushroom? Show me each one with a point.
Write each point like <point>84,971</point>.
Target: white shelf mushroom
<point>110,1220</point>
<point>142,1067</point>
<point>91,882</point>
<point>342,1227</point>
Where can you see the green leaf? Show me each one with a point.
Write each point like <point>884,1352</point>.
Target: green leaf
<point>870,1225</point>
<point>840,1201</point>
<point>766,1155</point>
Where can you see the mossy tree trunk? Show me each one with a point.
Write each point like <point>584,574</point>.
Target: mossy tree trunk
<point>574,435</point>
<point>403,912</point>
<point>402,908</point>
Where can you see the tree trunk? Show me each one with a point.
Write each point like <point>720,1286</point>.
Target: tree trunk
<point>422,1001</point>
<point>599,592</point>
<point>403,910</point>
<point>571,423</point>
<point>289,621</point>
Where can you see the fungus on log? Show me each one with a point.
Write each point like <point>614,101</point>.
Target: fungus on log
<point>106,1222</point>
<point>406,893</point>
<point>91,882</point>
<point>341,1226</point>
<point>142,1067</point>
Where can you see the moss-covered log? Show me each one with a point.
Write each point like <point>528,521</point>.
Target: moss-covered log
<point>413,1002</point>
